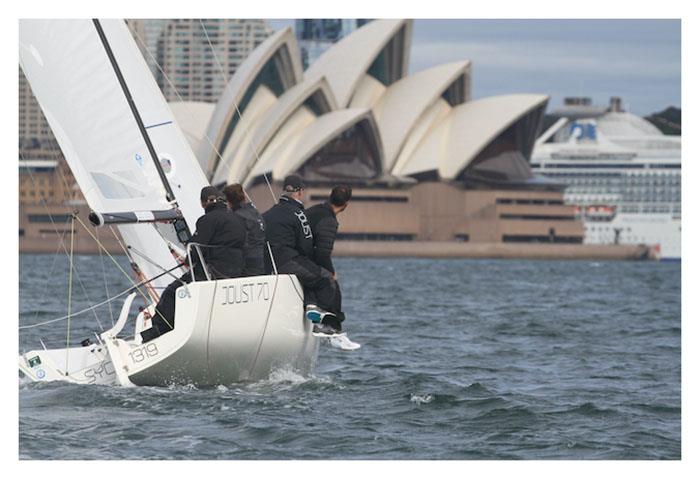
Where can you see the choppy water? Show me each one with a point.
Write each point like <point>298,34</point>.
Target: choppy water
<point>461,359</point>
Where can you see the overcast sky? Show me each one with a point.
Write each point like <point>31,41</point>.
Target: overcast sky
<point>638,60</point>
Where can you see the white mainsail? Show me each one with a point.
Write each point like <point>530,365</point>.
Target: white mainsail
<point>84,74</point>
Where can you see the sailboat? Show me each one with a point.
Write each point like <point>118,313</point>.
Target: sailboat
<point>138,174</point>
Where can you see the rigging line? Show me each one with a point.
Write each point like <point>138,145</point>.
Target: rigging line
<point>128,290</point>
<point>57,154</point>
<point>60,236</point>
<point>238,111</point>
<point>170,196</point>
<point>174,88</point>
<point>149,288</point>
<point>104,278</point>
<point>156,264</point>
<point>48,277</point>
<point>70,290</point>
<point>179,97</point>
<point>112,258</point>
<point>119,240</point>
<point>211,143</point>
<point>267,321</point>
<point>145,298</point>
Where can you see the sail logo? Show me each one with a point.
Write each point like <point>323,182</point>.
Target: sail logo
<point>139,159</point>
<point>245,293</point>
<point>183,293</point>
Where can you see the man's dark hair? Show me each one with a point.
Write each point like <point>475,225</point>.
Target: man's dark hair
<point>234,194</point>
<point>293,183</point>
<point>340,195</point>
<point>209,194</point>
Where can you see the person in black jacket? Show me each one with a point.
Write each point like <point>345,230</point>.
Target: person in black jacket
<point>323,219</point>
<point>221,235</point>
<point>254,229</point>
<point>288,232</point>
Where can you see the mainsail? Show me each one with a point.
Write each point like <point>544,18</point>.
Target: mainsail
<point>116,131</point>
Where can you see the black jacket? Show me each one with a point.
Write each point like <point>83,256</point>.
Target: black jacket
<point>324,226</point>
<point>254,239</point>
<point>288,231</point>
<point>224,234</point>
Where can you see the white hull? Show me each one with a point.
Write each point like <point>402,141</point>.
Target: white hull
<point>656,230</point>
<point>226,331</point>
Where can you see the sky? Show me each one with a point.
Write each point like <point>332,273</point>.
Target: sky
<point>638,60</point>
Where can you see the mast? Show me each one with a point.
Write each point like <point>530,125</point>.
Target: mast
<point>181,227</point>
<point>170,196</point>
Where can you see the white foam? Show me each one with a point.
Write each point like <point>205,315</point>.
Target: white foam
<point>286,375</point>
<point>424,399</point>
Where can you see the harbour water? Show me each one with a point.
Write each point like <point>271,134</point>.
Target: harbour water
<point>461,359</point>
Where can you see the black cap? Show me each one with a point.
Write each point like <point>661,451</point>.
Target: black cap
<point>293,183</point>
<point>209,192</point>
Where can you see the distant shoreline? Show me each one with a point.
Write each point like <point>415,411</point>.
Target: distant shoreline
<point>422,249</point>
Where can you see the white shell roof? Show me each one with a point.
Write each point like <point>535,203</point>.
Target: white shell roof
<point>324,129</point>
<point>241,138</point>
<point>280,147</point>
<point>466,131</point>
<point>241,81</point>
<point>404,102</point>
<point>368,92</point>
<point>347,61</point>
<point>193,117</point>
<point>427,122</point>
<point>273,119</point>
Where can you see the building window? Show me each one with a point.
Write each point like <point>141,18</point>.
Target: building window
<point>509,216</point>
<point>541,239</point>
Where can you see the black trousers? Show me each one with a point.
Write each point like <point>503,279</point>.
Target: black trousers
<point>319,286</point>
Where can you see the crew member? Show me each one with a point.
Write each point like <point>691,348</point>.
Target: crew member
<point>288,232</point>
<point>323,219</point>
<point>254,229</point>
<point>221,236</point>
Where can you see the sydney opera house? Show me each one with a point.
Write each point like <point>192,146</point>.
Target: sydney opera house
<point>427,163</point>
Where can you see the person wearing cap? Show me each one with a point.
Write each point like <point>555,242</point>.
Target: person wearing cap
<point>221,236</point>
<point>253,264</point>
<point>288,232</point>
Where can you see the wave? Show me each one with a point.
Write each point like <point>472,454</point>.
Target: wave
<point>588,409</point>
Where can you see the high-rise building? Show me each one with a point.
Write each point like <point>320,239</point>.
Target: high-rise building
<point>146,32</point>
<point>316,35</point>
<point>198,57</point>
<point>36,141</point>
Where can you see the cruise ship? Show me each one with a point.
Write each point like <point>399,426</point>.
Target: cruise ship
<point>622,174</point>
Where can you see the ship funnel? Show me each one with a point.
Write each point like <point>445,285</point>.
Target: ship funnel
<point>615,104</point>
